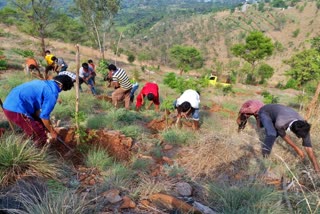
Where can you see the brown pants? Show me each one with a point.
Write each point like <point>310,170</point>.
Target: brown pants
<point>121,94</point>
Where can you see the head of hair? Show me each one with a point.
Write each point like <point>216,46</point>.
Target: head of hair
<point>53,58</point>
<point>150,96</point>
<point>65,80</point>
<point>300,128</point>
<point>185,106</point>
<point>47,52</point>
<point>32,67</point>
<point>90,61</point>
<point>85,65</point>
<point>112,67</point>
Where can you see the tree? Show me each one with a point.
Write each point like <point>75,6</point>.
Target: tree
<point>98,15</point>
<point>265,72</point>
<point>256,48</point>
<point>35,17</point>
<point>186,57</point>
<point>305,66</point>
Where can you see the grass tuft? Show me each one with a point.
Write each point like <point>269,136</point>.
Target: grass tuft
<point>99,159</point>
<point>19,158</point>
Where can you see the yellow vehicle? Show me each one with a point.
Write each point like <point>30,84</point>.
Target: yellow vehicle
<point>213,81</point>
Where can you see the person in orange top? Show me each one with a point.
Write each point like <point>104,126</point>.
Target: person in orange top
<point>151,91</point>
<point>32,64</point>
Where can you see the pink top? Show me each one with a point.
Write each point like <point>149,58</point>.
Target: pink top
<point>251,107</point>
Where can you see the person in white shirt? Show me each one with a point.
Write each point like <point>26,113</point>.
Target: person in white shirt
<point>188,104</point>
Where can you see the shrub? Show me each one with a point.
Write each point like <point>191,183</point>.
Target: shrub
<point>249,198</point>
<point>19,158</point>
<point>3,61</point>
<point>99,159</point>
<point>23,53</point>
<point>269,98</point>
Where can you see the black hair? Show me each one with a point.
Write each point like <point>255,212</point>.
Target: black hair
<point>65,80</point>
<point>300,128</point>
<point>184,107</point>
<point>85,65</point>
<point>32,67</point>
<point>112,67</point>
<point>150,96</point>
<point>90,61</point>
<point>53,58</point>
<point>47,51</point>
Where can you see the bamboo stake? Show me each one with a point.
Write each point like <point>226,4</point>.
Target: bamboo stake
<point>77,94</point>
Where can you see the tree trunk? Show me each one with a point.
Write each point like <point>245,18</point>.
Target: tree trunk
<point>312,105</point>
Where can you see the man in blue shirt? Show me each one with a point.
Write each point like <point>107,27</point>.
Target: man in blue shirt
<point>30,104</point>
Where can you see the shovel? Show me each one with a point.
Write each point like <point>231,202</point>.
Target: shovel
<point>10,123</point>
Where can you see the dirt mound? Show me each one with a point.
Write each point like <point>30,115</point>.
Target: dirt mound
<point>117,144</point>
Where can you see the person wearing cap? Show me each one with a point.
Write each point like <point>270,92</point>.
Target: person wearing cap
<point>85,73</point>
<point>151,91</point>
<point>32,64</point>
<point>188,104</point>
<point>50,63</point>
<point>248,109</point>
<point>30,104</point>
<point>276,120</point>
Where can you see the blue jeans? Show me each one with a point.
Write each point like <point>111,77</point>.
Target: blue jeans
<point>271,133</point>
<point>195,113</point>
<point>134,88</point>
<point>91,85</point>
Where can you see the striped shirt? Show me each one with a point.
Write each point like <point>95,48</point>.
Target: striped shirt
<point>122,78</point>
<point>72,75</point>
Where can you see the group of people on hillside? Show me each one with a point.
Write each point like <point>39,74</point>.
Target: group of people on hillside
<point>30,104</point>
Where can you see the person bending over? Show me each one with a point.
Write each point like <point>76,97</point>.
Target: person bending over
<point>30,104</point>
<point>248,109</point>
<point>188,104</point>
<point>151,91</point>
<point>277,119</point>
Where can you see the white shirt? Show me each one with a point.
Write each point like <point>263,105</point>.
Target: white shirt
<point>190,96</point>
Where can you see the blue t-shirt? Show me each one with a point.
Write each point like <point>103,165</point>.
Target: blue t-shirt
<point>32,96</point>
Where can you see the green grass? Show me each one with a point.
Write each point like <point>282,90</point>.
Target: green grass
<point>177,136</point>
<point>245,198</point>
<point>99,159</point>
<point>19,158</point>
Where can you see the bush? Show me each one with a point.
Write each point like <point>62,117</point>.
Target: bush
<point>3,61</point>
<point>99,159</point>
<point>269,98</point>
<point>18,157</point>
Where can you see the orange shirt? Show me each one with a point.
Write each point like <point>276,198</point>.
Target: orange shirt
<point>31,61</point>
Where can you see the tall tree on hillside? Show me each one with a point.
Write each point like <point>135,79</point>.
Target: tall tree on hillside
<point>186,58</point>
<point>98,16</point>
<point>35,17</point>
<point>257,47</point>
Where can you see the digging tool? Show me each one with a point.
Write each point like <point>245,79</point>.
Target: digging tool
<point>10,123</point>
<point>66,145</point>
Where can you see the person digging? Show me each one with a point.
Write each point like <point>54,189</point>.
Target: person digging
<point>276,119</point>
<point>188,105</point>
<point>30,104</point>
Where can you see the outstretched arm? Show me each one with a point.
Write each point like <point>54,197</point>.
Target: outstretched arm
<point>290,142</point>
<point>312,158</point>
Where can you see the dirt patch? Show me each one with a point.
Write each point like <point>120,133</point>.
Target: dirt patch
<point>217,108</point>
<point>116,144</point>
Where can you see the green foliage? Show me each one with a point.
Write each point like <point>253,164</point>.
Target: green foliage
<point>227,90</point>
<point>279,46</point>
<point>141,164</point>
<point>295,33</point>
<point>23,53</point>
<point>305,66</point>
<point>265,72</point>
<point>102,67</point>
<point>131,58</point>
<point>132,131</point>
<point>186,58</point>
<point>278,3</point>
<point>257,47</point>
<point>249,198</point>
<point>18,157</point>
<point>118,176</point>
<point>269,98</point>
<point>181,84</point>
<point>64,203</point>
<point>292,83</point>
<point>3,61</point>
<point>315,43</point>
<point>98,158</point>
<point>176,136</point>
